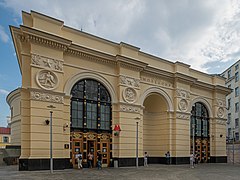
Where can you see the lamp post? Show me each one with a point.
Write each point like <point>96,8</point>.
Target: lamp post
<point>193,134</point>
<point>233,145</point>
<point>51,149</point>
<point>137,118</point>
<point>137,146</point>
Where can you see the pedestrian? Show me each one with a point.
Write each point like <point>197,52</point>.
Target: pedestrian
<point>79,160</point>
<point>146,159</point>
<point>99,160</point>
<point>90,160</point>
<point>196,159</point>
<point>167,158</point>
<point>192,160</point>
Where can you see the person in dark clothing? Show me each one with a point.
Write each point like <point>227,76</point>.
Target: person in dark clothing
<point>99,161</point>
<point>167,158</point>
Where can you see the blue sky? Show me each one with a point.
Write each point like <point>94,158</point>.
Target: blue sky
<point>203,34</point>
<point>10,76</point>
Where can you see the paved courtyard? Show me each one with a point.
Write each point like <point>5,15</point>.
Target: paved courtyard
<point>181,172</point>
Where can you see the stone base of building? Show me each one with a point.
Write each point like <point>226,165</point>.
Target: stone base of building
<point>218,159</point>
<point>43,164</point>
<point>125,162</point>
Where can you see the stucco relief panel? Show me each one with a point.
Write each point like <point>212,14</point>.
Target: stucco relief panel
<point>220,109</point>
<point>184,97</point>
<point>46,62</point>
<point>129,95</point>
<point>46,97</point>
<point>220,112</point>
<point>183,116</point>
<point>127,108</point>
<point>221,122</point>
<point>47,79</point>
<point>129,81</point>
<point>183,105</point>
<point>183,94</point>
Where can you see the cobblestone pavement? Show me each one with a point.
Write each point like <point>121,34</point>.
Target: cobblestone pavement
<point>159,172</point>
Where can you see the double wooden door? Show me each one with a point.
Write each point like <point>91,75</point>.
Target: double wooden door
<point>91,143</point>
<point>202,150</point>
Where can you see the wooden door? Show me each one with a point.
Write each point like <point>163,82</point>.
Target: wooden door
<point>76,147</point>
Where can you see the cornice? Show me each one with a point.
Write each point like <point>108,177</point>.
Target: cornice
<point>47,39</point>
<point>203,85</point>
<point>223,89</point>
<point>184,78</point>
<point>158,72</point>
<point>130,63</point>
<point>16,33</point>
<point>90,54</point>
<point>13,95</point>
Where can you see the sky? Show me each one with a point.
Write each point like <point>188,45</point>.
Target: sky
<point>202,33</point>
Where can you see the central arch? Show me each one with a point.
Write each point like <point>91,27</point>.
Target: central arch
<point>156,125</point>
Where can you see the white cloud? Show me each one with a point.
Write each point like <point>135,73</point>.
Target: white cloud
<point>3,35</point>
<point>4,92</point>
<point>194,32</point>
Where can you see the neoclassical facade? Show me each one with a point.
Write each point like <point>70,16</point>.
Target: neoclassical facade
<point>110,98</point>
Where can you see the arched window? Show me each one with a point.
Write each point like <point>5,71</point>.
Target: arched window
<point>200,120</point>
<point>90,106</point>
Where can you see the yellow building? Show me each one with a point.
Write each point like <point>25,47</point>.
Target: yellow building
<point>5,137</point>
<point>99,87</point>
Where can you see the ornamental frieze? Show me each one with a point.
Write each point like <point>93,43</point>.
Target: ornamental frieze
<point>183,93</point>
<point>221,122</point>
<point>157,81</point>
<point>46,62</point>
<point>46,97</point>
<point>126,108</point>
<point>183,116</point>
<point>129,81</point>
<point>129,95</point>
<point>47,79</point>
<point>221,103</point>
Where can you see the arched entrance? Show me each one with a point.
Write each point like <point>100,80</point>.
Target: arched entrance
<point>155,126</point>
<point>91,121</point>
<point>200,127</point>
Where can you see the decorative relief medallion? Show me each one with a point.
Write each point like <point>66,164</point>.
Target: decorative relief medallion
<point>157,81</point>
<point>129,95</point>
<point>183,94</point>
<point>220,112</point>
<point>47,79</point>
<point>46,62</point>
<point>129,81</point>
<point>39,96</point>
<point>125,108</point>
<point>183,105</point>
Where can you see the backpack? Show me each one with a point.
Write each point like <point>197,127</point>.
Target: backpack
<point>80,156</point>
